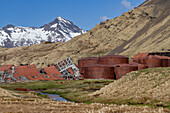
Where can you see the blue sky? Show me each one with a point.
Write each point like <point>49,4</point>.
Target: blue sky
<point>84,13</point>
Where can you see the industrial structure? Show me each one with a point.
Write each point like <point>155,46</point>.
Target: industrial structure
<point>64,69</point>
<point>116,66</point>
<point>106,67</point>
<point>68,69</point>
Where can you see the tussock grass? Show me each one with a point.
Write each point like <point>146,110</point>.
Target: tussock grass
<point>145,87</point>
<point>71,90</point>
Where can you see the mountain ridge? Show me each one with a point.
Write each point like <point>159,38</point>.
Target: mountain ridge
<point>59,30</point>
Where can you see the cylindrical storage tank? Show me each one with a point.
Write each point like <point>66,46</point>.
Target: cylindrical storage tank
<point>87,62</point>
<point>167,61</point>
<point>113,60</point>
<point>154,62</point>
<point>164,60</point>
<point>142,66</point>
<point>123,69</point>
<point>99,72</point>
<point>133,63</point>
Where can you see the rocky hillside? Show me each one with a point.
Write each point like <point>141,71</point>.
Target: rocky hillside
<point>143,29</point>
<point>59,30</point>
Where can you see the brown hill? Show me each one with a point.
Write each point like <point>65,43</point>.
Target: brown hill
<point>150,86</point>
<point>143,29</point>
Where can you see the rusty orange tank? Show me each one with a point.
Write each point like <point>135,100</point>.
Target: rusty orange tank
<point>99,72</point>
<point>155,61</point>
<point>165,60</point>
<point>113,60</point>
<point>142,66</point>
<point>87,62</point>
<point>123,69</point>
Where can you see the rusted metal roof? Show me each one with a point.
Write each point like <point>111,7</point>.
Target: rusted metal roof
<point>5,67</point>
<point>29,71</point>
<point>140,55</point>
<point>52,71</point>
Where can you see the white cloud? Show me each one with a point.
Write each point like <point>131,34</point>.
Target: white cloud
<point>126,4</point>
<point>104,18</point>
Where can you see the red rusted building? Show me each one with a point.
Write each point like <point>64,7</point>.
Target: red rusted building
<point>106,67</point>
<point>5,68</point>
<point>5,71</point>
<point>51,73</point>
<point>27,72</point>
<point>153,60</point>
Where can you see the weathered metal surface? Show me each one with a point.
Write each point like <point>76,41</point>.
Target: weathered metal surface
<point>123,69</point>
<point>142,66</point>
<point>169,62</point>
<point>66,64</point>
<point>154,62</point>
<point>140,56</point>
<point>113,60</point>
<point>99,72</point>
<point>143,60</point>
<point>165,60</point>
<point>87,62</point>
<point>161,54</point>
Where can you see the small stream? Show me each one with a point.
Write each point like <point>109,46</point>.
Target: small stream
<point>54,97</point>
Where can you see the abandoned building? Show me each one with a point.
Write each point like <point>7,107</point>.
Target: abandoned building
<point>106,67</point>
<point>51,73</point>
<point>5,73</point>
<point>64,69</point>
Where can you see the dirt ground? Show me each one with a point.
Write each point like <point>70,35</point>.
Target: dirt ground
<point>21,103</point>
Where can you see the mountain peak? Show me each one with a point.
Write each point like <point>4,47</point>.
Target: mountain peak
<point>62,25</point>
<point>59,30</point>
<point>8,26</point>
<point>60,18</point>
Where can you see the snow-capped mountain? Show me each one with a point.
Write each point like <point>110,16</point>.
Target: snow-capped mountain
<point>59,30</point>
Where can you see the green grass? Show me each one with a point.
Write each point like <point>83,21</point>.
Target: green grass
<point>71,89</point>
<point>77,91</point>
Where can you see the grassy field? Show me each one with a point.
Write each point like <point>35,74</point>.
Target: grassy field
<point>22,102</point>
<point>69,89</point>
<point>145,87</point>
